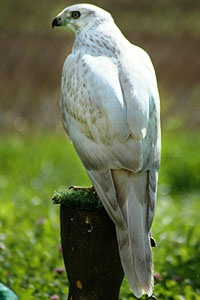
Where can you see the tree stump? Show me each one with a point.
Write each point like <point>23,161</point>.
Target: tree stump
<point>89,246</point>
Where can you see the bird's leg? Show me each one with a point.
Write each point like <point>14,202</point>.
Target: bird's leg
<point>75,187</point>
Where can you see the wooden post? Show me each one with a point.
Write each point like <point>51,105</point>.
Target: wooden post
<point>89,246</point>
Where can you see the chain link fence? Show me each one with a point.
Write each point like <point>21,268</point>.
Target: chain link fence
<point>32,55</point>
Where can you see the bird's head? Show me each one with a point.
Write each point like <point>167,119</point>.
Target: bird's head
<point>77,17</point>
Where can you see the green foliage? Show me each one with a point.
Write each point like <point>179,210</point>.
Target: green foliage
<point>180,161</point>
<point>33,166</point>
<point>84,199</point>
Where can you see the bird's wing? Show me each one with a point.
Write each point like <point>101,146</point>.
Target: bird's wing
<point>105,92</point>
<point>94,113</point>
<point>138,83</point>
<point>137,193</point>
<point>93,96</point>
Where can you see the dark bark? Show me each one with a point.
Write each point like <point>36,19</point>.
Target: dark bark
<point>90,253</point>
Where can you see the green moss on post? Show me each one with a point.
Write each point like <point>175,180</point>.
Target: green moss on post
<point>89,246</point>
<point>78,198</point>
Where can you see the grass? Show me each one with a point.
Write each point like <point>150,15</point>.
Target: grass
<point>34,165</point>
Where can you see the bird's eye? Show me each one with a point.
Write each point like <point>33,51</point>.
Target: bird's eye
<point>75,14</point>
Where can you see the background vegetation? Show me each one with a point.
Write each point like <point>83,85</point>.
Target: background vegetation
<point>33,166</point>
<point>36,159</point>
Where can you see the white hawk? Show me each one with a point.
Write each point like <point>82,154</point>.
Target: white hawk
<point>110,110</point>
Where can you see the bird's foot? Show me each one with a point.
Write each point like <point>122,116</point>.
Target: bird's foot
<point>151,297</point>
<point>75,187</point>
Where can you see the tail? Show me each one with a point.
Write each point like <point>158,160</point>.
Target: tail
<point>137,206</point>
<point>130,202</point>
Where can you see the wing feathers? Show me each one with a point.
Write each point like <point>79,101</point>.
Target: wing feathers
<point>124,196</point>
<point>132,197</point>
<point>103,184</point>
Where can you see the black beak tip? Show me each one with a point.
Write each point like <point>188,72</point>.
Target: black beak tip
<point>55,22</point>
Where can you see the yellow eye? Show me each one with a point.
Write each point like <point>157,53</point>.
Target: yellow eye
<point>75,14</point>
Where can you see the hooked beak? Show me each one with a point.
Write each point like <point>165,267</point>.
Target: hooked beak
<point>56,22</point>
